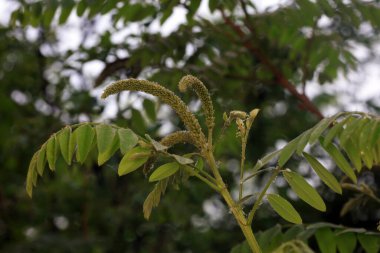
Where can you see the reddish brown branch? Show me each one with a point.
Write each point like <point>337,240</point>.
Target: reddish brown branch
<point>280,78</point>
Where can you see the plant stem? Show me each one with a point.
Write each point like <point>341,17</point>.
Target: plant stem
<point>202,178</point>
<point>235,209</point>
<point>243,150</point>
<point>262,194</point>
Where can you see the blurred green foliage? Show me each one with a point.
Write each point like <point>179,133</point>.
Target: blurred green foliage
<point>243,55</point>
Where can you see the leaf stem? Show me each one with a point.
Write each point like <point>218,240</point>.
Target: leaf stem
<point>258,173</point>
<point>262,194</point>
<point>200,177</point>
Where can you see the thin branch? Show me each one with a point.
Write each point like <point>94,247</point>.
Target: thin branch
<point>262,194</point>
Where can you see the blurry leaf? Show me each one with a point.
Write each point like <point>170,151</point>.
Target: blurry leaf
<point>270,239</point>
<point>288,151</point>
<point>284,208</point>
<point>326,240</point>
<point>52,152</point>
<point>303,141</point>
<point>157,146</point>
<point>304,190</point>
<point>346,242</point>
<point>370,243</point>
<point>213,5</point>
<point>107,141</point>
<point>351,127</point>
<point>63,138</point>
<point>32,175</point>
<point>350,204</point>
<point>41,160</point>
<point>320,127</point>
<point>81,7</point>
<point>199,164</point>
<point>154,197</point>
<point>133,159</point>
<point>241,248</point>
<point>323,173</point>
<point>339,159</point>
<point>49,13</point>
<point>375,134</point>
<point>138,123</point>
<point>150,109</point>
<point>128,139</point>
<point>265,160</point>
<point>84,136</point>
<point>164,171</point>
<point>66,8</point>
<point>168,10</point>
<point>182,160</point>
<point>335,130</point>
<point>293,232</point>
<point>354,154</point>
<point>192,8</point>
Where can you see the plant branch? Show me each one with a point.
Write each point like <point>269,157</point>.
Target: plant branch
<point>202,178</point>
<point>262,194</point>
<point>279,76</point>
<point>235,209</point>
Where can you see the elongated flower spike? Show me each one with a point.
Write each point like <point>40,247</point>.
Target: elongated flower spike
<point>200,89</point>
<point>178,137</point>
<point>167,96</point>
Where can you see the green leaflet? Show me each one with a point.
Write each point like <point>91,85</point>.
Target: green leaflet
<point>133,159</point>
<point>150,109</point>
<point>31,178</point>
<point>369,242</point>
<point>353,154</point>
<point>182,160</point>
<point>63,138</point>
<point>339,159</point>
<point>105,135</point>
<point>157,146</point>
<point>66,9</point>
<point>241,248</point>
<point>323,173</point>
<point>351,127</point>
<point>293,246</point>
<point>41,160</point>
<point>326,240</point>
<point>84,136</point>
<point>303,141</point>
<point>128,139</point>
<point>107,142</point>
<point>319,128</point>
<point>154,197</point>
<point>199,164</point>
<point>304,190</point>
<point>49,13</point>
<point>284,208</point>
<point>52,149</point>
<point>335,130</point>
<point>81,7</point>
<point>365,134</point>
<point>375,134</point>
<point>288,151</point>
<point>346,242</point>
<point>265,160</point>
<point>164,171</point>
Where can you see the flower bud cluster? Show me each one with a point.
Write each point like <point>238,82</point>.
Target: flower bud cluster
<point>191,82</point>
<point>178,137</point>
